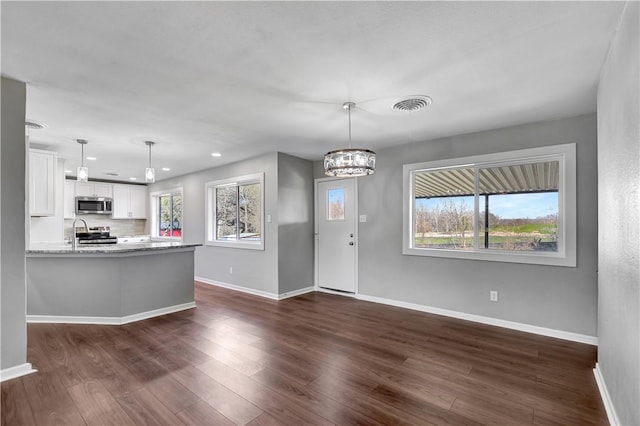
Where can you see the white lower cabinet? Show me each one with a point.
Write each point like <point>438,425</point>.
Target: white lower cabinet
<point>129,202</point>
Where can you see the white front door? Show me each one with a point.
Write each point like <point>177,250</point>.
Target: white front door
<point>336,234</point>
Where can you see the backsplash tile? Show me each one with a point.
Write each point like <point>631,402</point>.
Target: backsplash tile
<point>119,227</point>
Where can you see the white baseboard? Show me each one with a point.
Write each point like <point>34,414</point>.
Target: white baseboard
<point>109,320</point>
<point>574,337</point>
<point>295,293</point>
<point>606,398</point>
<point>158,312</point>
<point>17,371</point>
<point>330,291</point>
<point>254,292</point>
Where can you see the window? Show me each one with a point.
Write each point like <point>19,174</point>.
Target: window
<point>235,212</point>
<point>166,215</point>
<point>335,204</point>
<point>516,206</point>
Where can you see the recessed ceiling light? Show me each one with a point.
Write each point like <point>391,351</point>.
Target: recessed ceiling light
<point>132,178</point>
<point>166,169</point>
<point>91,158</point>
<point>216,154</point>
<point>68,171</point>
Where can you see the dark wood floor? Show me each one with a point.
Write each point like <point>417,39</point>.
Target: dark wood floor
<point>314,359</point>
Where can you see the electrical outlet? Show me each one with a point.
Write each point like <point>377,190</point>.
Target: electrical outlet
<point>493,296</point>
<point>230,270</point>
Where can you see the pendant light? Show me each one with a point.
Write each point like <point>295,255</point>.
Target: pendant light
<point>149,172</point>
<point>82,172</point>
<point>349,161</point>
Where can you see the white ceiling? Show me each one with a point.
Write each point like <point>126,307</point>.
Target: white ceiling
<point>245,78</point>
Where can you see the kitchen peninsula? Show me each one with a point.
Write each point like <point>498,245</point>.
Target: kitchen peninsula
<point>108,284</point>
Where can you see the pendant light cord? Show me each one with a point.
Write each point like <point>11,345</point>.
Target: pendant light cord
<point>82,154</point>
<point>349,126</point>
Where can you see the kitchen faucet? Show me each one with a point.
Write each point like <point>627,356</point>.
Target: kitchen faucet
<point>73,232</point>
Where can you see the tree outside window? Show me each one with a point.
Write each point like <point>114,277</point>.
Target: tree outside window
<point>235,212</point>
<point>169,221</point>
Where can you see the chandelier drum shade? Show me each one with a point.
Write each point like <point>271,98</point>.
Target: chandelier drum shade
<point>350,161</point>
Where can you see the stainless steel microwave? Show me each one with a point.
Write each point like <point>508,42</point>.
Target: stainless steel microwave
<point>94,205</point>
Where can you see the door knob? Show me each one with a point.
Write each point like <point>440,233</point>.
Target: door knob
<point>350,243</point>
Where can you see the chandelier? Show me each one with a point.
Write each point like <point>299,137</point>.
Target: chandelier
<point>350,161</point>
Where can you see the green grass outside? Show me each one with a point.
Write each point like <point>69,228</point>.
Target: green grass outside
<point>527,228</point>
<point>493,240</point>
<point>523,235</point>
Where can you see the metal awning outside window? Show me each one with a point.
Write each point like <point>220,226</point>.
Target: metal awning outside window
<point>512,179</point>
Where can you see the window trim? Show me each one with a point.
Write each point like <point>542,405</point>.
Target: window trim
<point>153,202</point>
<point>567,225</point>
<point>210,198</point>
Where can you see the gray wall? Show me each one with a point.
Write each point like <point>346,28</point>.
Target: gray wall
<point>12,220</point>
<point>619,232</point>
<point>254,269</point>
<point>286,263</point>
<point>295,223</point>
<point>559,298</point>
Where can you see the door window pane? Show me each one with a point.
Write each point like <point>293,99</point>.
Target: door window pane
<point>335,204</point>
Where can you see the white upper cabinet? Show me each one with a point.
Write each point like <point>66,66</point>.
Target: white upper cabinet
<point>129,202</point>
<point>94,189</point>
<point>42,182</point>
<point>138,202</point>
<point>69,199</point>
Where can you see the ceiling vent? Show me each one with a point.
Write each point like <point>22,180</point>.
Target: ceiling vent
<point>412,103</point>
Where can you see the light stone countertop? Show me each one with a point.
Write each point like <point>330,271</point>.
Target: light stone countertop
<point>65,248</point>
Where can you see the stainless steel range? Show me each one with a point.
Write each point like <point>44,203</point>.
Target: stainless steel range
<point>95,235</point>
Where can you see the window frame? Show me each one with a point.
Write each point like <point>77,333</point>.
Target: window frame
<point>211,220</point>
<point>155,211</point>
<point>567,225</point>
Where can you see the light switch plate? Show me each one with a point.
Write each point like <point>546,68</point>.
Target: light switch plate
<point>363,218</point>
